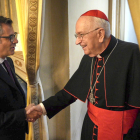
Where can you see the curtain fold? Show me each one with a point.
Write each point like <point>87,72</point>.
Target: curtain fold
<point>29,14</point>
<point>134,6</point>
<point>22,14</point>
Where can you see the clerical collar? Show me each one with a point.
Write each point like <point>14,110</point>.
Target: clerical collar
<point>108,49</point>
<point>99,56</point>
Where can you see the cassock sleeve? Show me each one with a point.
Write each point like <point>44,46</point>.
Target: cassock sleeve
<point>134,81</point>
<point>134,94</point>
<point>56,103</point>
<point>79,84</point>
<point>77,87</point>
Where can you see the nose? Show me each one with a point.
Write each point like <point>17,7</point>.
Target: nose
<point>15,40</point>
<point>78,41</point>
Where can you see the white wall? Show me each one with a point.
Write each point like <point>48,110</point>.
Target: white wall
<point>129,32</point>
<point>75,9</point>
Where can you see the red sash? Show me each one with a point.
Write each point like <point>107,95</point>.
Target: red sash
<point>111,124</point>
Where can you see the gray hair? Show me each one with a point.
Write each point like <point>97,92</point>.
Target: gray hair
<point>103,24</point>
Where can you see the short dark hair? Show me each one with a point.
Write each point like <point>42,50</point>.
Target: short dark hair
<point>4,20</point>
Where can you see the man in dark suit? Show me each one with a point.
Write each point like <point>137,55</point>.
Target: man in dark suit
<point>13,117</point>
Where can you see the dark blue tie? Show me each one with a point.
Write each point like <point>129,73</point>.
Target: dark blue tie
<point>7,66</point>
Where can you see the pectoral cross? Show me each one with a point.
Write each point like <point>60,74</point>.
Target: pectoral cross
<point>91,97</point>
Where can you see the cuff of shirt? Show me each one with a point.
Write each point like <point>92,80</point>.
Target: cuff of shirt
<point>43,108</point>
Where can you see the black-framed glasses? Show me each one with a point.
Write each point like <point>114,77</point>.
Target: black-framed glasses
<point>11,37</point>
<point>80,36</point>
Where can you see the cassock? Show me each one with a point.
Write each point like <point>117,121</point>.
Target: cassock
<point>115,75</point>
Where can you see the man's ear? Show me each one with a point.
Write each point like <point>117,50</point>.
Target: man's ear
<point>101,35</point>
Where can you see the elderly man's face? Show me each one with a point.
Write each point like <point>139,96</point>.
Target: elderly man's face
<point>6,46</point>
<point>89,42</point>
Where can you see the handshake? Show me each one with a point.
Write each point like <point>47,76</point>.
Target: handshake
<point>33,112</point>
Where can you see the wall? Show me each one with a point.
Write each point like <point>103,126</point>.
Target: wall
<point>129,32</point>
<point>75,9</point>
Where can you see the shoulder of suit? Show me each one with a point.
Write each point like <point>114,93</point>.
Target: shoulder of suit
<point>9,60</point>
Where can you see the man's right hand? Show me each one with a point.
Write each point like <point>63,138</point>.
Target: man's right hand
<point>33,113</point>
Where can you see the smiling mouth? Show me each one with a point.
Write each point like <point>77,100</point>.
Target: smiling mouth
<point>83,47</point>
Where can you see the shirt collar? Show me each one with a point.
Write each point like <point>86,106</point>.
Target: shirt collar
<point>2,60</point>
<point>99,56</point>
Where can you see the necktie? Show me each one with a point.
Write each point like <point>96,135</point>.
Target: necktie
<point>7,66</point>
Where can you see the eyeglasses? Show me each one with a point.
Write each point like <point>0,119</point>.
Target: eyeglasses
<point>11,37</point>
<point>80,36</point>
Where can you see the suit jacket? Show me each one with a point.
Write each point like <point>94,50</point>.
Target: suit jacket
<point>12,103</point>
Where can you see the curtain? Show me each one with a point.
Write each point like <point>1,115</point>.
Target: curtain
<point>134,6</point>
<point>29,14</point>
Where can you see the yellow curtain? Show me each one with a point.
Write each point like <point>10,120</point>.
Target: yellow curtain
<point>29,13</point>
<point>134,6</point>
<point>22,15</point>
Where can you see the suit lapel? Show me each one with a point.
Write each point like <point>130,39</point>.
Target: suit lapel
<point>17,84</point>
<point>5,77</point>
<point>16,81</point>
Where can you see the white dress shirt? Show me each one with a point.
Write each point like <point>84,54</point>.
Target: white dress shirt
<point>43,108</point>
<point>1,62</point>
